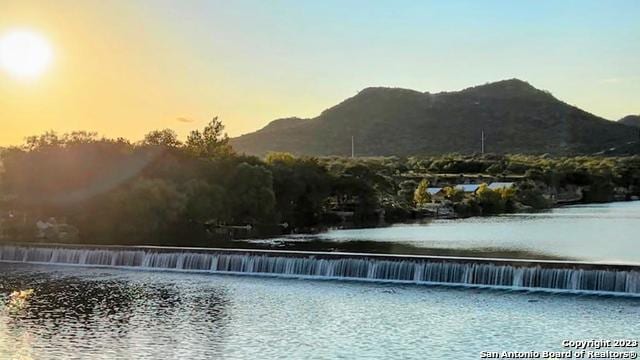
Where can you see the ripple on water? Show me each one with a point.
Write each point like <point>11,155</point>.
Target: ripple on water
<point>103,314</point>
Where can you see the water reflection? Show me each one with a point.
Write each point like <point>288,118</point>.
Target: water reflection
<point>110,312</point>
<point>114,314</point>
<point>311,243</point>
<point>599,232</point>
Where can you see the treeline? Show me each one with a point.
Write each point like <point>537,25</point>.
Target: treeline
<point>599,178</point>
<point>540,181</point>
<point>163,191</point>
<point>79,187</point>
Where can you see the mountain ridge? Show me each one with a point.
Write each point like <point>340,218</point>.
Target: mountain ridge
<point>631,120</point>
<point>515,116</point>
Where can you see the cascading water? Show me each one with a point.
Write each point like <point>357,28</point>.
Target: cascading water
<point>515,274</point>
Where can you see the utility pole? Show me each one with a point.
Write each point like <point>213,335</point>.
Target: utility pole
<point>353,148</point>
<point>482,138</point>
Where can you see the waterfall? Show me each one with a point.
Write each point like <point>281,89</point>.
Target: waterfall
<point>501,273</point>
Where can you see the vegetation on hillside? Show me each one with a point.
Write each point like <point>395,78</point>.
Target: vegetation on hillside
<point>631,120</point>
<point>514,116</point>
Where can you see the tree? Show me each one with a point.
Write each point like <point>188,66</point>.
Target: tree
<point>508,195</point>
<point>495,169</point>
<point>250,197</point>
<point>529,194</point>
<point>79,137</point>
<point>407,190</point>
<point>48,139</point>
<point>165,137</point>
<point>205,202</point>
<point>280,157</point>
<point>301,187</point>
<point>211,142</point>
<point>145,210</point>
<point>453,194</point>
<point>421,196</point>
<point>491,201</point>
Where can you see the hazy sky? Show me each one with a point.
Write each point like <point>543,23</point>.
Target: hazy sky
<point>124,67</point>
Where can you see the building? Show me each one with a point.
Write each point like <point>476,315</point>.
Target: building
<point>501,185</point>
<point>436,193</point>
<point>468,188</point>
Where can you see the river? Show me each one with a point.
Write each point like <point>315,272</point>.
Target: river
<point>597,232</point>
<point>120,314</point>
<point>107,313</point>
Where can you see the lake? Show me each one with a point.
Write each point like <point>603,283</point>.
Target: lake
<point>597,232</point>
<point>109,313</point>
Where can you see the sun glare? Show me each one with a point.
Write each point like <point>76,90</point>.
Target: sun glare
<point>24,54</point>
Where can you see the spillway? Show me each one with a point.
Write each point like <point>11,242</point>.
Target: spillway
<point>580,277</point>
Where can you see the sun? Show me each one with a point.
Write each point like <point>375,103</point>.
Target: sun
<point>24,54</point>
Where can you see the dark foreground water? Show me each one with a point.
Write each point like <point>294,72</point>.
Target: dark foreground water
<point>108,313</point>
<point>599,232</point>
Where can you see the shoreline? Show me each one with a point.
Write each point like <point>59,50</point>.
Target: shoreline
<point>457,217</point>
<point>375,245</point>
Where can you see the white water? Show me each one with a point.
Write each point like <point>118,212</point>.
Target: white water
<point>455,271</point>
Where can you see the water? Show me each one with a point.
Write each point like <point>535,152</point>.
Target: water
<point>513,274</point>
<point>109,313</point>
<point>600,232</point>
<point>106,313</point>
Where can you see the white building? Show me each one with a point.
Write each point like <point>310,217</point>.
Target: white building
<point>501,185</point>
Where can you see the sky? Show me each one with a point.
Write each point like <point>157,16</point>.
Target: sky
<point>125,67</point>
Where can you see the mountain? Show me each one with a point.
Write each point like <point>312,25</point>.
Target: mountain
<point>515,116</point>
<point>631,120</point>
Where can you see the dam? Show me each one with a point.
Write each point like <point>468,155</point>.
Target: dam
<point>537,275</point>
